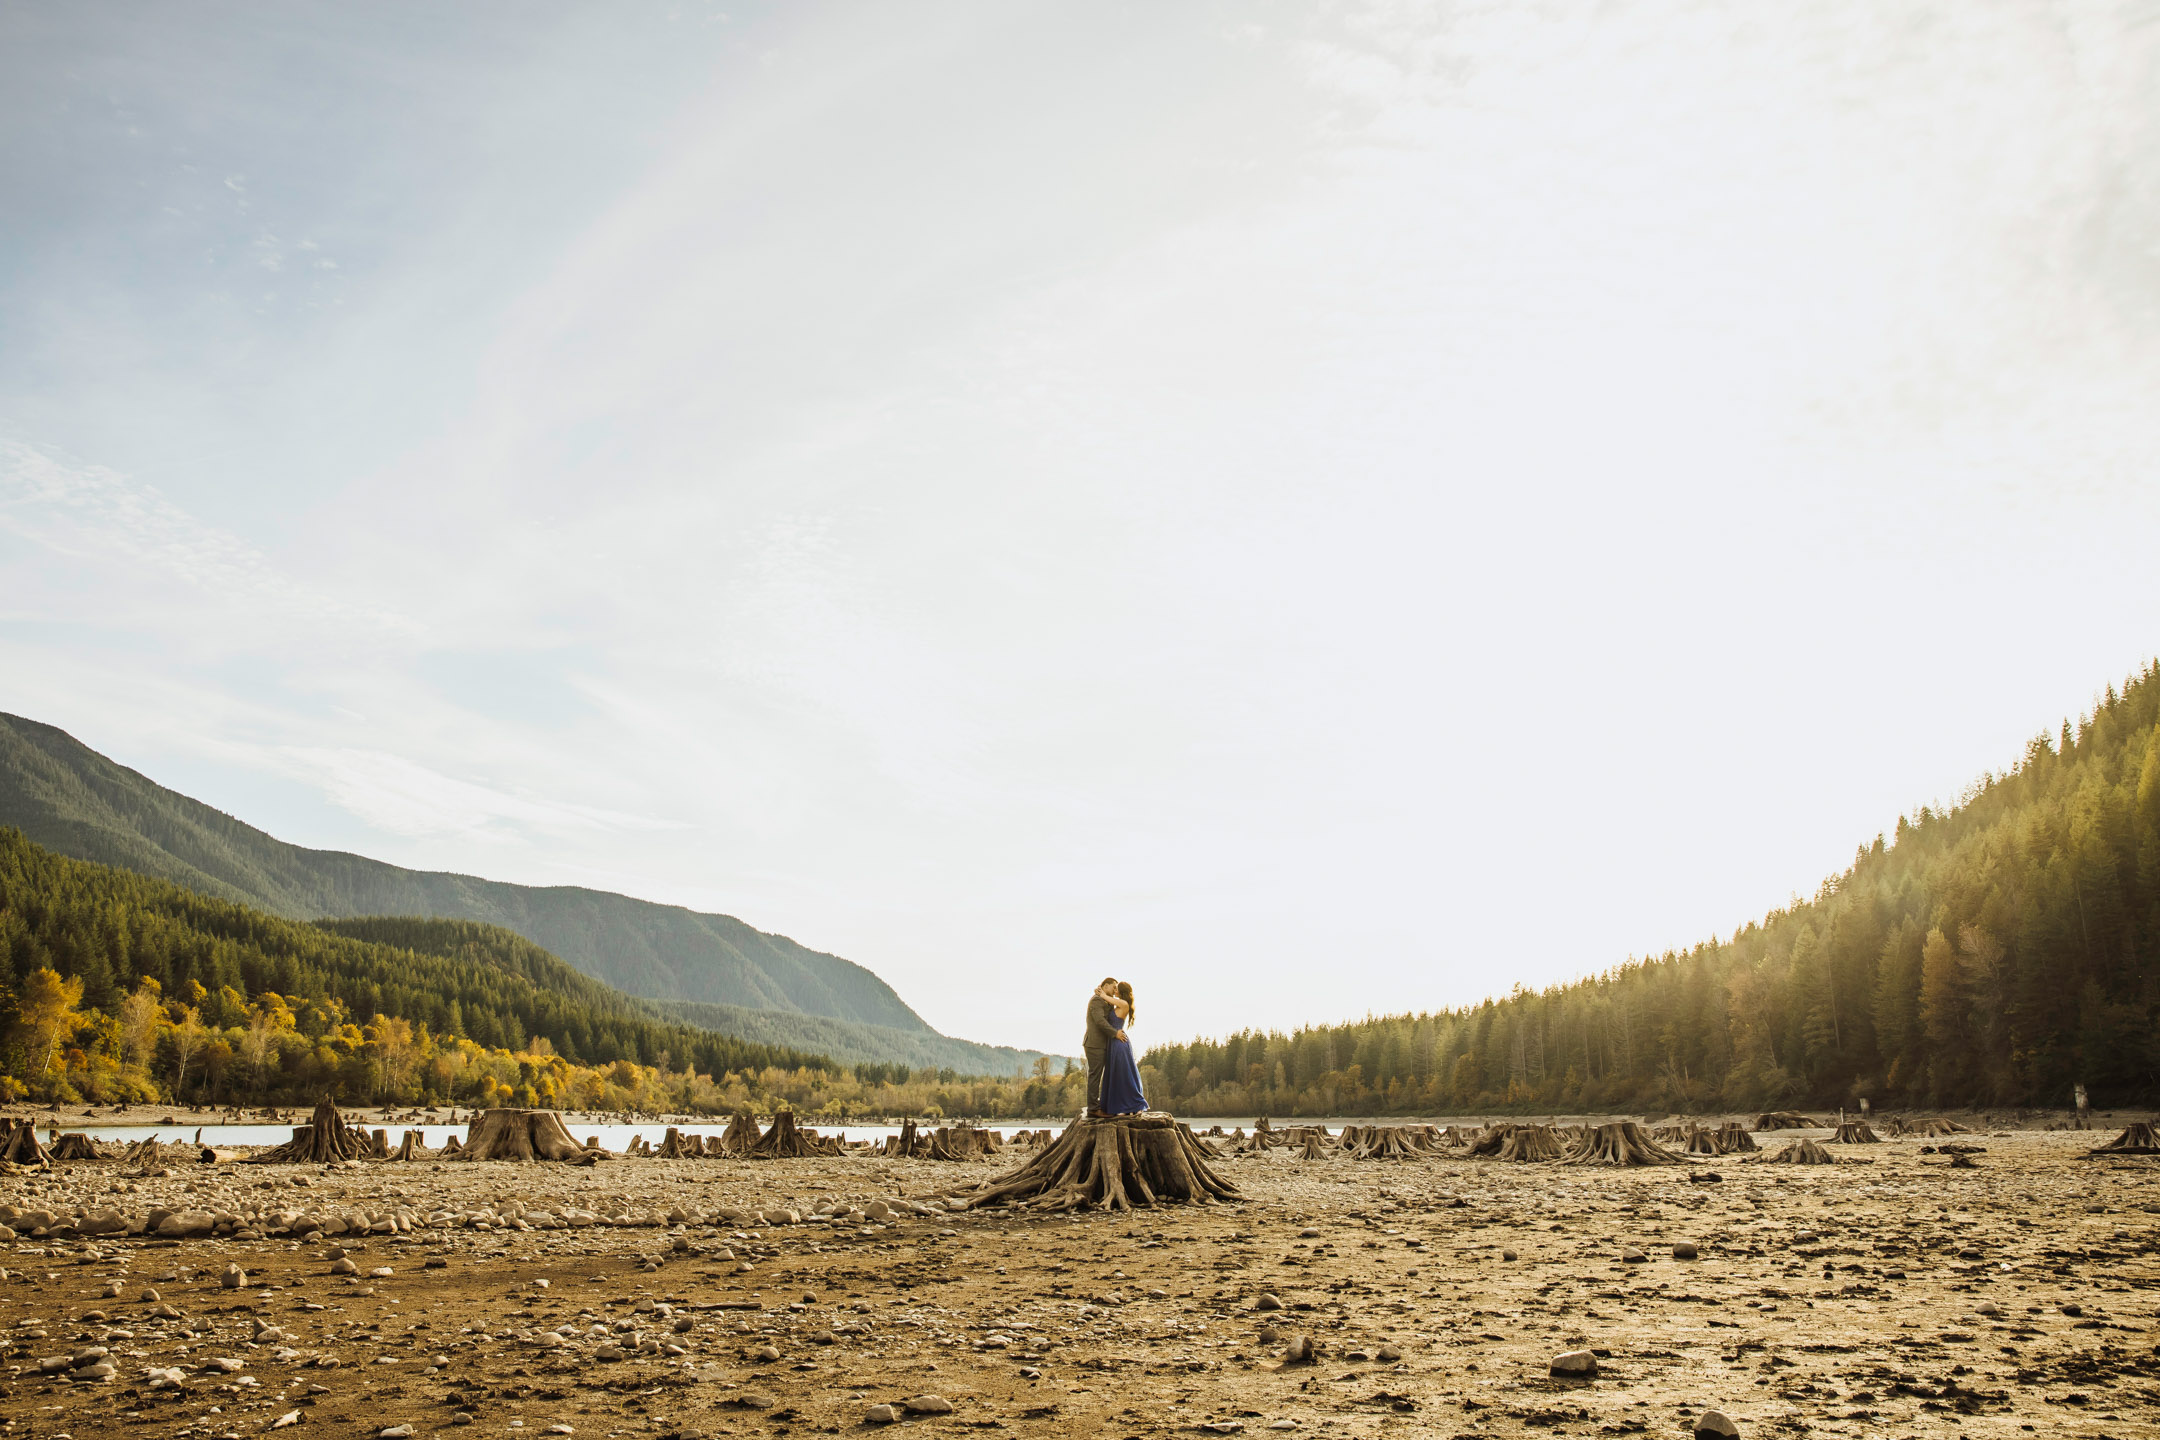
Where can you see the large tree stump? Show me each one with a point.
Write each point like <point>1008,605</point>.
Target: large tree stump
<point>2138,1139</point>
<point>1855,1132</point>
<point>325,1139</point>
<point>1115,1162</point>
<point>740,1140</point>
<point>677,1146</point>
<point>19,1143</point>
<point>1788,1120</point>
<point>1930,1129</point>
<point>903,1145</point>
<point>783,1141</point>
<point>1800,1152</point>
<point>1315,1148</point>
<point>523,1135</point>
<point>76,1146</point>
<point>1531,1144</point>
<point>1623,1142</point>
<point>1387,1142</point>
<point>412,1147</point>
<point>1733,1138</point>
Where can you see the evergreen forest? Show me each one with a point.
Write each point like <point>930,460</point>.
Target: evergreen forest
<point>1997,953</point>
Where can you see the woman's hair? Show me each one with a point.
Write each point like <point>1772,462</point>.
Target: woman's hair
<point>1124,990</point>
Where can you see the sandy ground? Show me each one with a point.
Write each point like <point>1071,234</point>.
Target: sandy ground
<point>1898,1297</point>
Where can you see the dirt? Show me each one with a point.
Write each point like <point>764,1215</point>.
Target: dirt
<point>1833,1300</point>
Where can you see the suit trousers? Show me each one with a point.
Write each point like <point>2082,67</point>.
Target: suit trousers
<point>1098,1063</point>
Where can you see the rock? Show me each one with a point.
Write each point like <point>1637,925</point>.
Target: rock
<point>881,1415</point>
<point>929,1405</point>
<point>2073,1311</point>
<point>1989,1307</point>
<point>1507,1254</point>
<point>1388,1355</point>
<point>1718,1424</point>
<point>1310,1232</point>
<point>395,1432</point>
<point>766,1354</point>
<point>232,1277</point>
<point>1269,1335</point>
<point>558,1430</point>
<point>1268,1302</point>
<point>343,1266</point>
<point>608,1352</point>
<point>289,1418</point>
<point>752,1400</point>
<point>1632,1256</point>
<point>1574,1365</point>
<point>222,1365</point>
<point>1300,1350</point>
<point>1685,1251</point>
<point>380,1272</point>
<point>151,1297</point>
<point>187,1225</point>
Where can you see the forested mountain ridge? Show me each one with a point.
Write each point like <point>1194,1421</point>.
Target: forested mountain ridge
<point>67,797</point>
<point>1997,953</point>
<point>122,986</point>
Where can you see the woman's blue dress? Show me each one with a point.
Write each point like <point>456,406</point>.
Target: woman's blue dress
<point>1121,1092</point>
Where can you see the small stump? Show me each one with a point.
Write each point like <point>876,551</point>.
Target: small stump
<point>1118,1162</point>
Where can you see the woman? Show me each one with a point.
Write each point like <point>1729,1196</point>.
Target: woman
<point>1121,1094</point>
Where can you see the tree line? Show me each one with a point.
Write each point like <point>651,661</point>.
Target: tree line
<point>1997,953</point>
<point>116,987</point>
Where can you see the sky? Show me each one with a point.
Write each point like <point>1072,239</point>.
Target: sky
<point>1314,510</point>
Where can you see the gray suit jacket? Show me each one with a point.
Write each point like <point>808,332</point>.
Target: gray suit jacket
<point>1102,1024</point>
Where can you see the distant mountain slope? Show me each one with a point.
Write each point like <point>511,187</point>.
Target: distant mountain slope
<point>851,1043</point>
<point>67,797</point>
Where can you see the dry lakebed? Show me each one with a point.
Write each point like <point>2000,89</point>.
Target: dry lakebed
<point>2013,1295</point>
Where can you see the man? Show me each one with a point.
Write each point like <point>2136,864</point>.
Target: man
<point>1102,1028</point>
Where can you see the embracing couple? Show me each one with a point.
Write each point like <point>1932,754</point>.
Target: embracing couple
<point>1112,1077</point>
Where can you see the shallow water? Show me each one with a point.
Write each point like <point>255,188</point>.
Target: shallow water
<point>612,1137</point>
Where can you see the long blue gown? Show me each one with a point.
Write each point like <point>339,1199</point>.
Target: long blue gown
<point>1121,1092</point>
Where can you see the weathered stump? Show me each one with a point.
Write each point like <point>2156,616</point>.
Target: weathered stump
<point>325,1139</point>
<point>19,1144</point>
<point>1800,1152</point>
<point>1116,1162</point>
<point>904,1145</point>
<point>451,1145</point>
<point>76,1146</point>
<point>676,1146</point>
<point>1314,1149</point>
<point>2138,1139</point>
<point>1531,1144</point>
<point>1930,1129</point>
<point>1622,1142</point>
<point>412,1147</point>
<point>740,1140</point>
<point>1733,1138</point>
<point>1788,1120</point>
<point>783,1141</point>
<point>1855,1132</point>
<point>522,1135</point>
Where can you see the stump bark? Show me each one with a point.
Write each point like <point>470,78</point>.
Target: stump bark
<point>2138,1139</point>
<point>76,1146</point>
<point>1530,1144</point>
<point>1800,1152</point>
<point>1623,1142</point>
<point>783,1141</point>
<point>1117,1162</point>
<point>20,1144</point>
<point>521,1135</point>
<point>740,1140</point>
<point>325,1139</point>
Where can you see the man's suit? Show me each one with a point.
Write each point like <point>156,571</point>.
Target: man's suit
<point>1102,1028</point>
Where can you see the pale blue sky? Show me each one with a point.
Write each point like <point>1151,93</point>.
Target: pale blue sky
<point>1313,511</point>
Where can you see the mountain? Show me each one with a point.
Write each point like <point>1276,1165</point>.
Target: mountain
<point>67,797</point>
<point>2000,952</point>
<point>475,997</point>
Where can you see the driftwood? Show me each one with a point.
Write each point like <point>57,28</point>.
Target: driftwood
<point>1623,1142</point>
<point>325,1139</point>
<point>1788,1120</point>
<point>210,1155</point>
<point>1800,1152</point>
<point>19,1143</point>
<point>2138,1139</point>
<point>783,1141</point>
<point>523,1135</point>
<point>1115,1162</point>
<point>76,1146</point>
<point>1855,1132</point>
